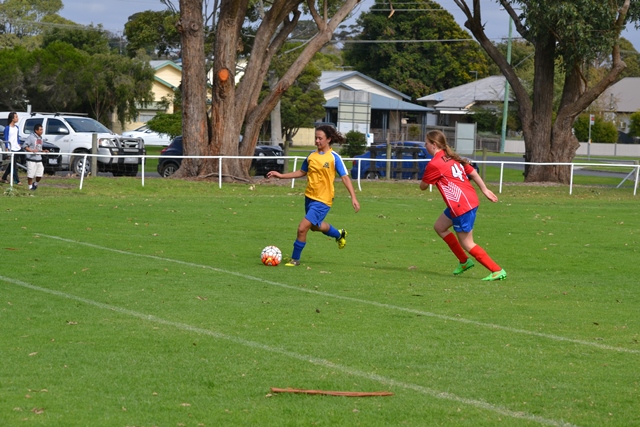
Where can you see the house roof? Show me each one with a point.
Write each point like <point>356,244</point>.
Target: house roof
<point>164,82</point>
<point>331,79</point>
<point>160,63</point>
<point>379,102</point>
<point>489,89</point>
<point>623,96</point>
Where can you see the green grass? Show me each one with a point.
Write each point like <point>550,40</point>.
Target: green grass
<point>125,305</point>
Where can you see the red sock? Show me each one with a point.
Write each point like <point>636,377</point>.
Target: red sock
<point>451,240</point>
<point>483,258</point>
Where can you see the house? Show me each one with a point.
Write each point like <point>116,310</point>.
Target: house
<point>620,101</point>
<point>168,77</point>
<point>453,105</point>
<point>377,109</point>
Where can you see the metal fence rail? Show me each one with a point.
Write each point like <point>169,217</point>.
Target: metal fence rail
<point>634,174</point>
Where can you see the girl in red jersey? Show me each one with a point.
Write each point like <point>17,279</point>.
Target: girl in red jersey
<point>452,175</point>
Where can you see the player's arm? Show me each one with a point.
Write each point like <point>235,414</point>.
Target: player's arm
<point>354,200</point>
<point>290,175</point>
<point>429,177</point>
<point>480,183</point>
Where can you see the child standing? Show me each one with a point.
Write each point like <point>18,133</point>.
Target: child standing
<point>320,168</point>
<point>451,174</point>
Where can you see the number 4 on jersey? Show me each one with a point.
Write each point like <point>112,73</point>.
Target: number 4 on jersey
<point>457,171</point>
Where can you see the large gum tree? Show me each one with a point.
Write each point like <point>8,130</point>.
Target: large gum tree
<point>573,34</point>
<point>236,109</point>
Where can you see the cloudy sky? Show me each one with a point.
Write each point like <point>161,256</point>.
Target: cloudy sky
<point>114,14</point>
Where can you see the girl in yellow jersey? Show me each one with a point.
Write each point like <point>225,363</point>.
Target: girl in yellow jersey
<point>320,168</point>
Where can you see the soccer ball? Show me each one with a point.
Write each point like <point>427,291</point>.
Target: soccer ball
<point>271,256</point>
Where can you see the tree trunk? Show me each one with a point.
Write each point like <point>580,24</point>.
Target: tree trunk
<point>546,140</point>
<point>235,106</point>
<point>537,133</point>
<point>194,130</point>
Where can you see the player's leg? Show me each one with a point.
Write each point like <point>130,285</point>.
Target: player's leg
<point>442,227</point>
<point>476,251</point>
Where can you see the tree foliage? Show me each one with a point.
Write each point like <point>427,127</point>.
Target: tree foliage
<point>568,36</point>
<point>88,39</point>
<point>22,18</point>
<point>154,32</point>
<point>634,125</point>
<point>60,77</point>
<point>169,124</point>
<point>355,144</point>
<point>430,61</point>
<point>601,130</point>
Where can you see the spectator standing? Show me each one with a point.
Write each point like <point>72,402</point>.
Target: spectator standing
<point>35,168</point>
<point>13,145</point>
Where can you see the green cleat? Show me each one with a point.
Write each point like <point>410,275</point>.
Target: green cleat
<point>342,240</point>
<point>464,266</point>
<point>293,263</point>
<point>496,275</point>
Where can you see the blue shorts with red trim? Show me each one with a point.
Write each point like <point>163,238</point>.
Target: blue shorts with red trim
<point>463,223</point>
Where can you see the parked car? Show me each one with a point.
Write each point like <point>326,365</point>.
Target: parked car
<point>149,137</point>
<point>168,165</point>
<point>74,134</point>
<point>400,170</point>
<point>52,161</point>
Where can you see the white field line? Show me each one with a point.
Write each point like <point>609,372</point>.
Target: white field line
<point>357,300</point>
<point>301,357</point>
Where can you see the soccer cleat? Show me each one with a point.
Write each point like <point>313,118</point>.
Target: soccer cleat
<point>293,263</point>
<point>496,275</point>
<point>464,266</point>
<point>342,240</point>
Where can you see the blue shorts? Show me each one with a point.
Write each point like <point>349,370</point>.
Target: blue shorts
<point>463,223</point>
<point>315,211</point>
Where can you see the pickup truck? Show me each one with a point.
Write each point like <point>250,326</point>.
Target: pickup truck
<point>74,134</point>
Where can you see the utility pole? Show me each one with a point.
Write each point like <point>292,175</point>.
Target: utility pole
<point>505,107</point>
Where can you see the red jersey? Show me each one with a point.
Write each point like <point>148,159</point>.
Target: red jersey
<point>451,179</point>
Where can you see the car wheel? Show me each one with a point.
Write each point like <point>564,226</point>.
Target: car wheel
<point>76,165</point>
<point>168,169</point>
<point>371,175</point>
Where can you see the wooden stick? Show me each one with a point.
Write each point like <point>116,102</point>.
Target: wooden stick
<point>332,393</point>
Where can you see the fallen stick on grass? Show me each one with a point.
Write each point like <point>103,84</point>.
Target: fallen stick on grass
<point>333,393</point>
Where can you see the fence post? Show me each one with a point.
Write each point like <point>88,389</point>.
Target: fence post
<point>388,165</point>
<point>94,151</point>
<point>484,159</point>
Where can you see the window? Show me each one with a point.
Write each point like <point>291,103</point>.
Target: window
<point>55,127</point>
<point>30,123</point>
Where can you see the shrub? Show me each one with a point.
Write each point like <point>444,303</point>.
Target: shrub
<point>485,119</point>
<point>634,126</point>
<point>355,144</point>
<point>601,130</point>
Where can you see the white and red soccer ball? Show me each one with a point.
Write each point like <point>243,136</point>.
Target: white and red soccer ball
<point>271,256</point>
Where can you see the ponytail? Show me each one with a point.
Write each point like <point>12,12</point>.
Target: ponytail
<point>438,138</point>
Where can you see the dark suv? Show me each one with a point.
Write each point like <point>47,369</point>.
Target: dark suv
<point>168,164</point>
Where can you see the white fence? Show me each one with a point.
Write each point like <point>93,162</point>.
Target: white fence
<point>635,174</point>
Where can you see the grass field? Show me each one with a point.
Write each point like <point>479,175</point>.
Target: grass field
<point>125,305</point>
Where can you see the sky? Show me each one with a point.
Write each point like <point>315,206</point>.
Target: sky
<point>114,14</point>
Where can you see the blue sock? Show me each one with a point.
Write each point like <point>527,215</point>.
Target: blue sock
<point>332,232</point>
<point>298,246</point>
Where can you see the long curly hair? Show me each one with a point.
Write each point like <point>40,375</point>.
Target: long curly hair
<point>437,138</point>
<point>332,134</point>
